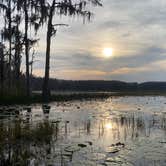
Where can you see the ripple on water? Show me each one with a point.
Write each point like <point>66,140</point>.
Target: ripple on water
<point>118,131</point>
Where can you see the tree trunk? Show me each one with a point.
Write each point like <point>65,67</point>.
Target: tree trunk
<point>17,60</point>
<point>27,50</point>
<point>1,69</point>
<point>46,90</point>
<point>10,44</point>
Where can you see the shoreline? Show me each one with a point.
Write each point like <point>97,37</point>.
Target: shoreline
<point>69,96</point>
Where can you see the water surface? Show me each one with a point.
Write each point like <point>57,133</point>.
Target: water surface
<point>114,131</point>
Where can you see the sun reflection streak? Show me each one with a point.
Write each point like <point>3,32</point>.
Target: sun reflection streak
<point>108,125</point>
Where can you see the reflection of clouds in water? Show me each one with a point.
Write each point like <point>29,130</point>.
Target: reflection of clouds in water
<point>90,123</point>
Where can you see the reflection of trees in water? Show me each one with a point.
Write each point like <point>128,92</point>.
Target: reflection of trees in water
<point>88,126</point>
<point>101,129</point>
<point>163,121</point>
<point>21,140</point>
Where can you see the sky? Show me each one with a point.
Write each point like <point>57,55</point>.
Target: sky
<point>134,29</point>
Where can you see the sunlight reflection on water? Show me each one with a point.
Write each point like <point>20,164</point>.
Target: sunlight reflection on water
<point>115,131</point>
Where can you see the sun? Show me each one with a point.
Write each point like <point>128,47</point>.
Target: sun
<point>107,52</point>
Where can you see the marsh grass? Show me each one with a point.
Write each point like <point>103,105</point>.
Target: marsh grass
<point>17,138</point>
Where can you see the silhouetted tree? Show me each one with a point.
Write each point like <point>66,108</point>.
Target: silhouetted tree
<point>32,13</point>
<point>18,47</point>
<point>1,68</point>
<point>63,7</point>
<point>26,19</point>
<point>28,7</point>
<point>7,8</point>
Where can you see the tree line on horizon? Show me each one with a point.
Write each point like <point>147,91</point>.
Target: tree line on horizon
<point>99,85</point>
<point>20,18</point>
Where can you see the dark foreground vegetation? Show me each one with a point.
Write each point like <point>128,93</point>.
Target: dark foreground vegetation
<point>22,19</point>
<point>36,97</point>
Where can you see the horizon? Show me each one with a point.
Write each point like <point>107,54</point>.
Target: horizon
<point>150,81</point>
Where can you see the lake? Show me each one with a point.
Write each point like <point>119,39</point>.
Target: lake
<point>117,131</point>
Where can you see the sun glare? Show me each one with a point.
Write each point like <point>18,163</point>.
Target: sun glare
<point>108,126</point>
<point>107,52</point>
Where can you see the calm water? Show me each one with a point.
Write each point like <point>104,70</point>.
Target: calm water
<point>115,131</point>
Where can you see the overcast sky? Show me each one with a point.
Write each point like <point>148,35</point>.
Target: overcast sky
<point>134,29</point>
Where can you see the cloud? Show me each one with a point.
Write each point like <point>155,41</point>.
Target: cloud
<point>75,74</point>
<point>135,30</point>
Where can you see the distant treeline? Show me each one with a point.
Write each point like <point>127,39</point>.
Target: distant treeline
<point>97,85</point>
